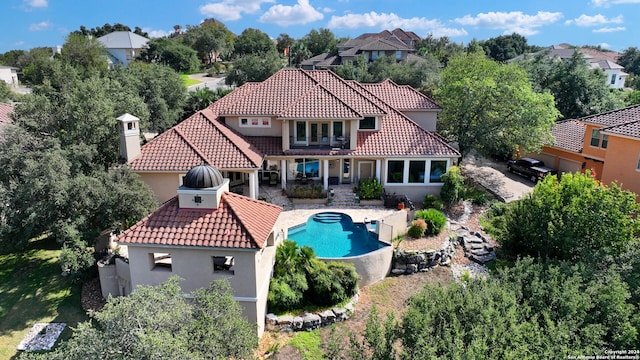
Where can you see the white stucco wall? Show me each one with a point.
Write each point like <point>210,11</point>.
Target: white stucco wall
<point>9,75</point>
<point>427,119</point>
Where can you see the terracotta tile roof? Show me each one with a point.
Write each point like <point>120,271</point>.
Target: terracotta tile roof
<point>401,97</point>
<point>233,225</point>
<point>346,92</point>
<point>615,117</point>
<point>268,145</point>
<point>319,103</point>
<point>630,129</point>
<point>569,135</point>
<point>200,138</point>
<point>5,113</point>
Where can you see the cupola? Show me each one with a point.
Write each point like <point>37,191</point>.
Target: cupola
<point>202,188</point>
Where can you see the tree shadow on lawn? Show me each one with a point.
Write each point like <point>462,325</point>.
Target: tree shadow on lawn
<point>33,290</point>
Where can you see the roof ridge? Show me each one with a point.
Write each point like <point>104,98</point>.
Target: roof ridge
<point>193,147</point>
<point>240,215</point>
<point>621,124</point>
<point>240,221</point>
<point>608,112</point>
<point>327,91</point>
<point>222,129</point>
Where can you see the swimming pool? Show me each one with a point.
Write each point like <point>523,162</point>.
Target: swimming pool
<point>335,235</point>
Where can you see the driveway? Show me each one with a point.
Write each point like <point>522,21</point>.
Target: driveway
<point>207,81</point>
<point>496,178</point>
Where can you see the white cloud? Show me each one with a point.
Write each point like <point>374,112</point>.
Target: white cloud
<point>511,22</point>
<point>610,29</point>
<point>607,3</point>
<point>232,9</point>
<point>301,13</point>
<point>156,33</point>
<point>37,3</point>
<point>382,21</point>
<point>40,26</point>
<point>586,20</point>
<point>448,32</point>
<point>327,10</point>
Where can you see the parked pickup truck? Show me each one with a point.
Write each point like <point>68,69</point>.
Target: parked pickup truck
<point>530,168</point>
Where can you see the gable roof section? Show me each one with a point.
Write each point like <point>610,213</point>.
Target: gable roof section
<point>384,45</point>
<point>232,225</point>
<point>123,40</point>
<point>200,138</point>
<point>569,135</point>
<point>347,93</point>
<point>630,129</point>
<point>319,103</point>
<point>614,117</point>
<point>402,97</point>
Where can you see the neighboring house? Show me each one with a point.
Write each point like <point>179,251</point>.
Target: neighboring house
<point>305,125</point>
<point>9,75</point>
<point>604,61</point>
<point>123,46</point>
<point>607,144</point>
<point>202,234</point>
<point>397,44</point>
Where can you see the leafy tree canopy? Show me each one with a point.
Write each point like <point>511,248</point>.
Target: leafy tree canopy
<point>630,60</point>
<point>254,67</point>
<point>505,47</point>
<point>100,31</point>
<point>86,54</point>
<point>320,41</point>
<point>156,322</point>
<point>442,48</point>
<point>491,107</point>
<point>284,41</point>
<point>578,89</point>
<point>210,40</point>
<point>571,219</point>
<point>172,53</point>
<point>253,42</point>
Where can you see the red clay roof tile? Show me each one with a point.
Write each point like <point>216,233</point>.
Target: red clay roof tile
<point>234,224</point>
<point>569,135</point>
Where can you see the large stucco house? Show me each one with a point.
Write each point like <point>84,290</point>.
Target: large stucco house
<point>9,75</point>
<point>201,234</point>
<point>607,144</point>
<point>123,46</point>
<point>302,124</point>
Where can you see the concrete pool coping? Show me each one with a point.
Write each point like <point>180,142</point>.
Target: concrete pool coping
<point>296,217</point>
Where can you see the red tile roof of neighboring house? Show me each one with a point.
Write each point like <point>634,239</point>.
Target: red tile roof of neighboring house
<point>233,224</point>
<point>569,135</point>
<point>614,117</point>
<point>401,97</point>
<point>291,93</point>
<point>200,138</point>
<point>5,113</point>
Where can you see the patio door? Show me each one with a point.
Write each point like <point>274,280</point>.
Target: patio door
<point>365,170</point>
<point>319,133</point>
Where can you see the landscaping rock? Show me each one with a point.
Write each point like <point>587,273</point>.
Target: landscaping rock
<point>297,323</point>
<point>311,321</point>
<point>341,314</point>
<point>327,317</point>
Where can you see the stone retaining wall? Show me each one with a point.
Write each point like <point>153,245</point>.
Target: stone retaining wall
<point>310,321</point>
<point>407,262</point>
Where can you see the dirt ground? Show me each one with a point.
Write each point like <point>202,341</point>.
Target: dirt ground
<point>391,294</point>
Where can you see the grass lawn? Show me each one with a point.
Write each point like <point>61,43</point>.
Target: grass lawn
<point>33,291</point>
<point>187,81</point>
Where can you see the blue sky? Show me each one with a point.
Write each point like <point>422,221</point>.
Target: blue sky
<point>613,24</point>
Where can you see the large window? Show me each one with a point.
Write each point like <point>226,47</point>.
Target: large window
<point>337,128</point>
<point>223,264</point>
<point>304,167</point>
<point>416,171</point>
<point>301,131</point>
<point>395,171</point>
<point>368,123</point>
<point>438,168</point>
<point>605,141</point>
<point>595,137</point>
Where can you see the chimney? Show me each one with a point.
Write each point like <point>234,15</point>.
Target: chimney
<point>129,130</point>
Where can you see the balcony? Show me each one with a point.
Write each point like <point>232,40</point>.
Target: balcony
<point>319,143</point>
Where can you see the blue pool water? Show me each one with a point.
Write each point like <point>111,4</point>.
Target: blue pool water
<point>335,235</point>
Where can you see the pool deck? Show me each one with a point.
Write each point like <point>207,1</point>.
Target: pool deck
<point>295,217</point>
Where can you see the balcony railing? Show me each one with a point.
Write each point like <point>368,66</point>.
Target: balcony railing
<point>319,142</point>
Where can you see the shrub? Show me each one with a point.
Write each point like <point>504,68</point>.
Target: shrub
<point>308,192</point>
<point>453,187</point>
<point>431,202</point>
<point>370,189</point>
<point>434,220</point>
<point>331,283</point>
<point>417,228</point>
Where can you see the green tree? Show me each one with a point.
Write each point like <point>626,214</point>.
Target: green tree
<point>578,89</point>
<point>320,41</point>
<point>100,31</point>
<point>531,310</point>
<point>630,60</point>
<point>253,42</point>
<point>441,48</point>
<point>283,42</point>
<point>5,92</point>
<point>86,54</point>
<point>12,58</point>
<point>254,68</point>
<point>505,47</point>
<point>172,53</point>
<point>357,70</point>
<point>299,53</point>
<point>156,322</point>
<point>570,219</point>
<point>202,98</point>
<point>491,107</point>
<point>210,40</point>
<point>161,89</point>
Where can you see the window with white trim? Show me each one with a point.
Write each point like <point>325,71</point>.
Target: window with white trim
<point>414,172</point>
<point>368,123</point>
<point>255,122</point>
